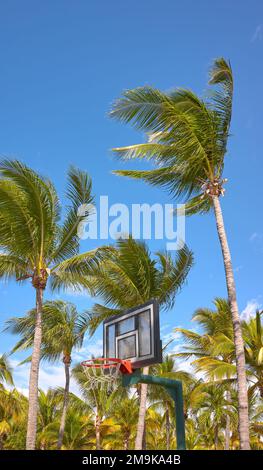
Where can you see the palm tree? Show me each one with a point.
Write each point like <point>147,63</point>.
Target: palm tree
<point>78,435</point>
<point>48,408</point>
<point>156,431</point>
<point>17,420</point>
<point>256,427</point>
<point>35,246</point>
<point>12,404</point>
<point>192,437</point>
<point>213,349</point>
<point>129,268</point>
<point>188,143</point>
<point>216,407</point>
<point>63,329</point>
<point>125,418</point>
<point>8,402</point>
<point>77,430</point>
<point>253,339</point>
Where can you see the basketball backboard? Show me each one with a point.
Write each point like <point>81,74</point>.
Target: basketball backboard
<point>134,335</point>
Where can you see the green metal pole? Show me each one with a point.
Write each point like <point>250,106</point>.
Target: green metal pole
<point>175,390</point>
<point>176,393</point>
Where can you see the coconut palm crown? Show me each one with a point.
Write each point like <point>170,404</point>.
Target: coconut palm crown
<point>129,268</point>
<point>35,245</point>
<point>187,137</point>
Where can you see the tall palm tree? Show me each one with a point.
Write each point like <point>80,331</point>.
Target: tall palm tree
<point>35,245</point>
<point>63,330</point>
<point>129,268</point>
<point>188,143</point>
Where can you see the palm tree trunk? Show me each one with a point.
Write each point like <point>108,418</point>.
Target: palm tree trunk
<point>144,443</point>
<point>97,432</point>
<point>227,433</point>
<point>34,373</point>
<point>168,427</point>
<point>142,413</point>
<point>65,404</point>
<point>216,437</point>
<point>227,430</point>
<point>243,422</point>
<point>126,440</point>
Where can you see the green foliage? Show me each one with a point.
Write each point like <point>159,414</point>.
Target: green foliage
<point>187,136</point>
<point>130,268</point>
<point>33,240</point>
<point>63,329</point>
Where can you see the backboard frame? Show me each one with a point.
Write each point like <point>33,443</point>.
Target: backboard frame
<point>137,361</point>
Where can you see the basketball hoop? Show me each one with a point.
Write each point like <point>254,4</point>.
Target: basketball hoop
<point>105,371</point>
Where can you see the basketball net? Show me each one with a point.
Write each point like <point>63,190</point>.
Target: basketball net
<point>102,373</point>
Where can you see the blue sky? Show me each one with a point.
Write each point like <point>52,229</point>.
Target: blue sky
<point>62,65</point>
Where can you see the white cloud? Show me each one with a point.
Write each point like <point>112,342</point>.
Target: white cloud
<point>49,375</point>
<point>53,375</point>
<point>176,346</point>
<point>165,327</point>
<point>250,309</point>
<point>89,349</point>
<point>170,337</point>
<point>258,34</point>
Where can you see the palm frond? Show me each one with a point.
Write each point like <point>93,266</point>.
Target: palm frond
<point>5,370</point>
<point>40,196</point>
<point>16,225</point>
<point>98,314</point>
<point>79,194</point>
<point>146,107</point>
<point>221,100</point>
<point>74,272</point>
<point>175,179</point>
<point>173,275</point>
<point>13,266</point>
<point>196,205</point>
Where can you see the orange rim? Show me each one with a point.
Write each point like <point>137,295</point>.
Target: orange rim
<point>107,362</point>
